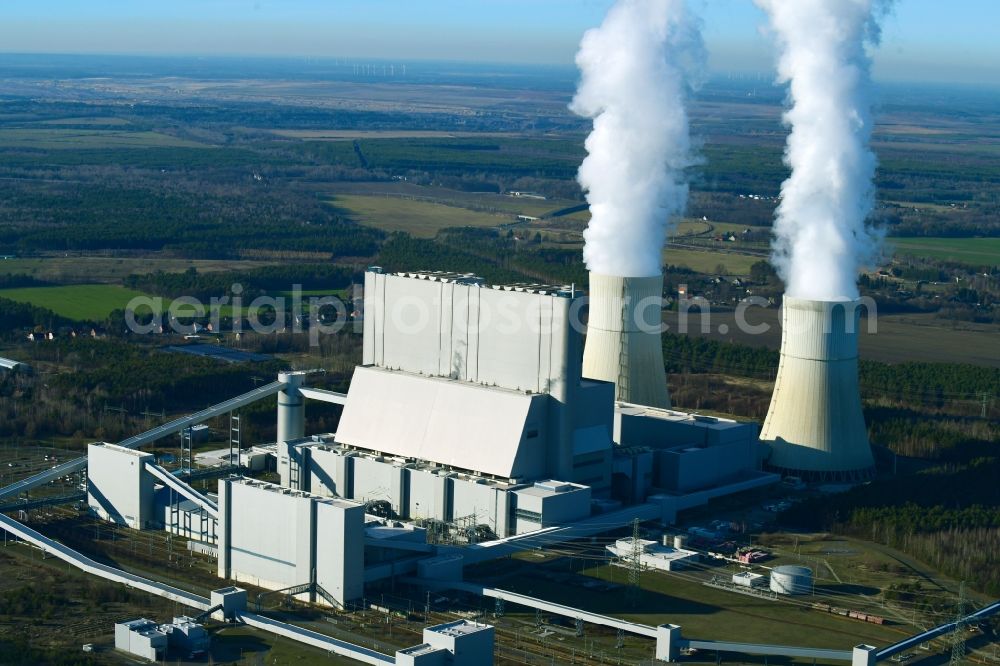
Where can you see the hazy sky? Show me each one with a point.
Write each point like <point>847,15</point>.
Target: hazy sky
<point>941,40</point>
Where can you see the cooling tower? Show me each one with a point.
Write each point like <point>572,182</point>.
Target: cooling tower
<point>623,338</point>
<point>814,426</point>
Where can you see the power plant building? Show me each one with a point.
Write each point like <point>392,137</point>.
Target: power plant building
<point>471,404</point>
<point>470,414</point>
<point>460,643</point>
<point>118,488</point>
<point>276,538</point>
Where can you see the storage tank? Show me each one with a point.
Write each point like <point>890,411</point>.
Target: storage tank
<point>680,541</point>
<point>814,427</point>
<point>623,338</point>
<point>790,579</point>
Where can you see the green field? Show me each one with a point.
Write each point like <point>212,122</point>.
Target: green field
<point>76,139</point>
<point>76,269</point>
<point>105,121</point>
<point>423,219</point>
<point>972,251</point>
<point>706,261</point>
<point>85,302</point>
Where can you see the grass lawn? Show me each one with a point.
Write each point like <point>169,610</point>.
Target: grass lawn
<point>91,302</point>
<point>971,251</point>
<point>709,613</point>
<point>422,219</point>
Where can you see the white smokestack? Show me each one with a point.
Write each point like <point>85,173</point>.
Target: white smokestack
<point>815,426</point>
<point>636,69</point>
<point>821,239</point>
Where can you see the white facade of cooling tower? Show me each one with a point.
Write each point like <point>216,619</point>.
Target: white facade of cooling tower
<point>815,427</point>
<point>623,338</point>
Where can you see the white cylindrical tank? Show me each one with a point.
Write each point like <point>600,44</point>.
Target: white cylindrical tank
<point>815,428</point>
<point>623,338</point>
<point>291,407</point>
<point>790,579</point>
<point>680,541</point>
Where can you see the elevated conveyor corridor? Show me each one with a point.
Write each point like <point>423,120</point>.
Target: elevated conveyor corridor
<point>90,566</point>
<point>183,422</point>
<point>148,437</point>
<point>171,481</point>
<point>191,599</point>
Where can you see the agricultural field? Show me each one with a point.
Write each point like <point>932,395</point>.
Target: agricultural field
<point>897,338</point>
<point>422,219</point>
<point>109,121</point>
<point>350,135</point>
<point>84,269</point>
<point>708,260</point>
<point>83,302</point>
<point>979,252</point>
<point>81,139</point>
<point>478,201</point>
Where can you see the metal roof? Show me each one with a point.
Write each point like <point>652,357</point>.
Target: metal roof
<point>452,423</point>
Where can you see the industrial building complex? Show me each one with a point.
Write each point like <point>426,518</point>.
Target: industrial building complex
<point>476,409</point>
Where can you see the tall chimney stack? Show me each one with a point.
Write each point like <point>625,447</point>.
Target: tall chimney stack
<point>623,338</point>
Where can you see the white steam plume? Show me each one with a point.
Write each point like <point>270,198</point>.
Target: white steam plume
<point>821,237</point>
<point>636,70</point>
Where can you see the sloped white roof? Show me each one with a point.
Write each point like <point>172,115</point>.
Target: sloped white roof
<point>445,421</point>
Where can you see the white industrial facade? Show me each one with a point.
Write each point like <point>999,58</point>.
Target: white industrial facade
<point>141,638</point>
<point>118,488</point>
<point>515,337</point>
<point>680,452</point>
<point>460,643</point>
<point>275,538</point>
<point>422,490</point>
<point>496,431</point>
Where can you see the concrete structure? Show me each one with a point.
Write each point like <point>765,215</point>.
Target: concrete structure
<point>864,655</point>
<point>548,503</point>
<point>668,642</point>
<point>142,638</point>
<point>184,517</point>
<point>679,452</point>
<point>455,354</point>
<point>623,338</point>
<point>814,426</point>
<point>233,601</point>
<point>118,488</point>
<point>291,407</point>
<point>186,637</point>
<point>420,490</point>
<point>749,579</point>
<point>276,538</point>
<point>461,643</point>
<point>653,555</point>
<point>791,579</point>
